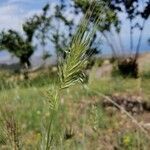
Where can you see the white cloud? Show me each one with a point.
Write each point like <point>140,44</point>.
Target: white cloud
<point>12,16</point>
<point>20,1</point>
<point>9,17</point>
<point>35,2</point>
<point>13,13</point>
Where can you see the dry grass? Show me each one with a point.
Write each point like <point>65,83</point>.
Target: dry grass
<point>81,114</point>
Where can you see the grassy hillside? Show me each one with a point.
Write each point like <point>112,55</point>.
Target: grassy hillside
<point>83,121</point>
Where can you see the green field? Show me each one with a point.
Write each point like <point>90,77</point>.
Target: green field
<point>82,122</point>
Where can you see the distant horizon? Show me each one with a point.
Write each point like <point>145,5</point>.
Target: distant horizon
<point>36,60</point>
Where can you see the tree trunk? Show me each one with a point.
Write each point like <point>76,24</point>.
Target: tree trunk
<point>25,65</point>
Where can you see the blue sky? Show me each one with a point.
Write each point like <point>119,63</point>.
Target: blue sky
<point>14,12</point>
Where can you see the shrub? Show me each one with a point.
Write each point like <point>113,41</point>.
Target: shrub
<point>128,67</point>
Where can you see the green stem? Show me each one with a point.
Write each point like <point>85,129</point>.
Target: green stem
<point>53,115</point>
<point>49,130</point>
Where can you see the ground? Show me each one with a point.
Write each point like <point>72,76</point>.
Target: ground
<point>84,123</point>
